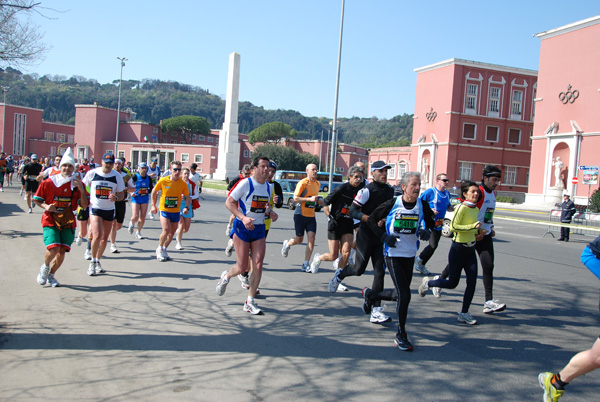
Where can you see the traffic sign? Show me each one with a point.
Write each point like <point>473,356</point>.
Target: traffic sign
<point>574,180</point>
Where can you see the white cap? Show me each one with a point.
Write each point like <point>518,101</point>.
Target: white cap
<point>67,158</point>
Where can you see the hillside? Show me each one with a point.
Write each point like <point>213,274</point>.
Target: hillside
<point>154,100</point>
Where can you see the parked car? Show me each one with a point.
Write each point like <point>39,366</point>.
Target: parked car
<point>288,187</point>
<point>454,201</point>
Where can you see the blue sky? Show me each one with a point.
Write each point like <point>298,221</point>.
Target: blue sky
<point>289,48</point>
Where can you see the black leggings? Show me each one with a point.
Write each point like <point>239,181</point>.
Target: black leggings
<point>460,257</point>
<point>368,247</point>
<point>431,247</point>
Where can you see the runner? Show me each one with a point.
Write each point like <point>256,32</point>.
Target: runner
<point>58,196</point>
<point>3,164</point>
<point>244,173</point>
<point>21,176</point>
<point>172,188</point>
<point>84,167</point>
<point>186,217</point>
<point>340,227</point>
<point>51,171</point>
<point>82,216</point>
<point>154,173</point>
<point>10,169</point>
<point>307,195</point>
<point>120,206</point>
<point>369,246</point>
<point>439,201</point>
<point>139,200</point>
<point>30,174</point>
<point>249,202</point>
<point>106,187</point>
<point>404,218</point>
<point>466,229</point>
<point>583,362</point>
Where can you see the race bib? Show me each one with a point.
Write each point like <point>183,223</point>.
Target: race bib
<point>171,202</point>
<point>143,191</point>
<point>310,204</point>
<point>346,210</point>
<point>259,204</point>
<point>61,203</point>
<point>406,223</point>
<point>102,192</point>
<point>439,222</point>
<point>488,217</point>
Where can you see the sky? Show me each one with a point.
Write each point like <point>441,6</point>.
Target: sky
<point>289,49</point>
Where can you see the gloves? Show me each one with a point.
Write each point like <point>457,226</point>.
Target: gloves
<point>332,224</point>
<point>388,239</point>
<point>424,234</point>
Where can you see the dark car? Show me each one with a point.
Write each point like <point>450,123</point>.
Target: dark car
<point>288,187</point>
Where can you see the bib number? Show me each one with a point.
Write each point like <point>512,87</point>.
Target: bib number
<point>406,223</point>
<point>171,202</point>
<point>488,217</point>
<point>103,192</point>
<point>259,204</point>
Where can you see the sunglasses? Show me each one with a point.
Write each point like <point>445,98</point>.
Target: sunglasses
<point>445,180</point>
<point>109,163</point>
<point>176,169</point>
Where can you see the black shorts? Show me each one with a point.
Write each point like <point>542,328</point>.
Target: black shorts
<point>344,226</point>
<point>31,185</point>
<point>302,223</point>
<point>83,214</point>
<point>106,214</point>
<point>120,207</point>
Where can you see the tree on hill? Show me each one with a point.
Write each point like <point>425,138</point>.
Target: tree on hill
<point>286,158</point>
<point>271,132</point>
<point>186,126</point>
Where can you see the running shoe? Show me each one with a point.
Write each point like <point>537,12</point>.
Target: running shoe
<point>150,216</point>
<point>166,255</point>
<point>335,282</point>
<point>98,268</point>
<point>138,236</point>
<point>30,211</point>
<point>92,269</point>
<point>378,317</point>
<point>159,254</point>
<point>342,288</point>
<point>222,284</point>
<point>424,287</point>
<point>551,394</point>
<point>228,230</point>
<point>367,302</point>
<point>130,229</point>
<point>245,281</point>
<point>252,308</point>
<point>467,318</point>
<point>229,248</point>
<point>52,281</point>
<point>285,249</point>
<point>314,266</point>
<point>179,246</point>
<point>20,192</point>
<point>43,276</point>
<point>78,240</point>
<point>88,254</point>
<point>403,343</point>
<point>493,306</point>
<point>114,249</point>
<point>305,267</point>
<point>336,263</point>
<point>437,292</point>
<point>420,268</point>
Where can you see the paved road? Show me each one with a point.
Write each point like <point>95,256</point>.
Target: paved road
<point>158,331</point>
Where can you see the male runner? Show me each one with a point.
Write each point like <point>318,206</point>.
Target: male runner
<point>3,163</point>
<point>106,186</point>
<point>249,202</point>
<point>369,246</point>
<point>120,206</point>
<point>139,200</point>
<point>172,189</point>
<point>307,195</point>
<point>154,173</point>
<point>30,174</point>
<point>439,201</point>
<point>51,171</point>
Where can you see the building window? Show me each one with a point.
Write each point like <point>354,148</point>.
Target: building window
<point>200,138</point>
<point>517,103</point>
<point>155,130</point>
<point>469,131</point>
<point>198,158</point>
<point>121,154</point>
<point>62,150</point>
<point>246,153</point>
<point>52,151</point>
<point>109,151</point>
<point>514,136</point>
<point>210,139</point>
<point>527,178</point>
<point>531,138</point>
<point>491,134</point>
<point>401,169</point>
<point>465,171</point>
<point>472,96</point>
<point>510,176</point>
<point>61,137</point>
<point>392,171</point>
<point>185,157</point>
<point>20,128</point>
<point>495,100</point>
<point>194,136</point>
<point>49,136</point>
<point>71,138</point>
<point>340,170</point>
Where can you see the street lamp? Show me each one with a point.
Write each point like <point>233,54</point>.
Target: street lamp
<point>122,59</point>
<point>337,91</point>
<point>4,117</point>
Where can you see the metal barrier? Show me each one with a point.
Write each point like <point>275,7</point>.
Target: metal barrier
<point>583,223</point>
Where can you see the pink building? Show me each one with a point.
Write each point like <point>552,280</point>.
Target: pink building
<point>24,132</point>
<point>467,115</point>
<point>567,123</point>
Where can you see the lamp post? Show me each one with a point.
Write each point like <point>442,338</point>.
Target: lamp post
<point>337,91</point>
<point>4,89</point>
<point>122,59</point>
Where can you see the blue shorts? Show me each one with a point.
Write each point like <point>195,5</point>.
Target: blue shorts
<point>246,235</point>
<point>302,222</point>
<point>173,217</point>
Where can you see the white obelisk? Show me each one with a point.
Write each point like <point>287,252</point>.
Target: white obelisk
<point>229,146</point>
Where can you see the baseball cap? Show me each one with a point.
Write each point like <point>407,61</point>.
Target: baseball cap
<point>34,156</point>
<point>143,165</point>
<point>272,165</point>
<point>108,158</point>
<point>378,165</point>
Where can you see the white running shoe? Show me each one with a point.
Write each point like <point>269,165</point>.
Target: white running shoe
<point>20,192</point>
<point>493,306</point>
<point>78,240</point>
<point>245,281</point>
<point>178,246</point>
<point>252,308</point>
<point>285,249</point>
<point>378,317</point>
<point>420,268</point>
<point>437,292</point>
<point>336,263</point>
<point>150,216</point>
<point>114,249</point>
<point>424,287</point>
<point>159,254</point>
<point>335,282</point>
<point>52,281</point>
<point>228,230</point>
<point>130,228</point>
<point>43,276</point>
<point>98,268</point>
<point>222,284</point>
<point>342,288</point>
<point>30,211</point>
<point>467,318</point>
<point>314,266</point>
<point>92,269</point>
<point>88,254</point>
<point>166,255</point>
<point>229,248</point>
<point>138,236</point>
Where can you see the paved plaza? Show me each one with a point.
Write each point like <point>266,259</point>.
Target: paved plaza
<point>156,331</point>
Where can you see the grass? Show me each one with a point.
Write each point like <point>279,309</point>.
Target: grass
<point>215,184</point>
